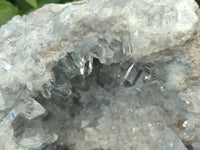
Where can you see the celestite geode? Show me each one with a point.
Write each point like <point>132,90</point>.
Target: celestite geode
<point>101,75</point>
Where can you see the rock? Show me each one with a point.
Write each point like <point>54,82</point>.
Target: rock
<point>31,43</point>
<point>108,74</point>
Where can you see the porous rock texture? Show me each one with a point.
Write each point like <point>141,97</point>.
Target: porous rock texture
<point>101,75</point>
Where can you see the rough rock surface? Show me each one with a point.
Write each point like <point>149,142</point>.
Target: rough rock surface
<point>101,75</point>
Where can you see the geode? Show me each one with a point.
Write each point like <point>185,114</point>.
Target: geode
<point>101,75</point>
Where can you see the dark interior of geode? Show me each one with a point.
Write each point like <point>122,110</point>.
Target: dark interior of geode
<point>132,96</point>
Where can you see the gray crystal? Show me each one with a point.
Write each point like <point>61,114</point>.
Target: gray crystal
<point>168,141</point>
<point>101,75</point>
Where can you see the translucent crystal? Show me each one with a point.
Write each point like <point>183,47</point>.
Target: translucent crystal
<point>168,141</point>
<point>80,62</point>
<point>62,89</point>
<point>32,136</point>
<point>46,92</point>
<point>31,109</point>
<point>12,94</point>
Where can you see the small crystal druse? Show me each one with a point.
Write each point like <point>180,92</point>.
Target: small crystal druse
<point>101,75</point>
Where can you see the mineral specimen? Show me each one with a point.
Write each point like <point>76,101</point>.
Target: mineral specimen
<point>101,75</point>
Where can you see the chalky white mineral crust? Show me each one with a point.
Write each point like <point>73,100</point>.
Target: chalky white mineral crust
<point>112,31</point>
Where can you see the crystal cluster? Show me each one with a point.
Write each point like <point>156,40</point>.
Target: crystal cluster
<point>101,75</point>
